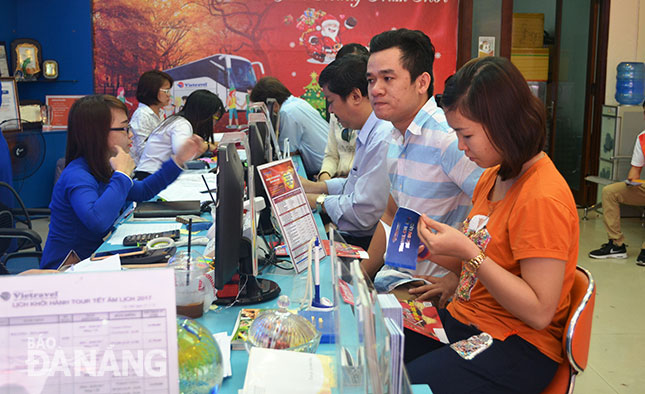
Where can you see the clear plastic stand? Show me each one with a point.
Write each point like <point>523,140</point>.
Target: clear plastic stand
<point>363,358</point>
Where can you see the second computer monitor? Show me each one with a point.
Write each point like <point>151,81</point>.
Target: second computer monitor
<point>229,214</point>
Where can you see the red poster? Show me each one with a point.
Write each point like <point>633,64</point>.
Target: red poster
<point>226,46</point>
<point>58,107</point>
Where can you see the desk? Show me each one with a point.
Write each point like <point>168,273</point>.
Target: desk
<point>223,318</point>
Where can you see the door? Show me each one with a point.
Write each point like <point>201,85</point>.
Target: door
<point>578,91</point>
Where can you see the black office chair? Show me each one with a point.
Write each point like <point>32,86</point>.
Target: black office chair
<point>16,242</point>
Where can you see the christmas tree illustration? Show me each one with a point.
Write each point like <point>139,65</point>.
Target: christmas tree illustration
<point>314,95</point>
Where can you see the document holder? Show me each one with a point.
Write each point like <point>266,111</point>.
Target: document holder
<point>164,209</point>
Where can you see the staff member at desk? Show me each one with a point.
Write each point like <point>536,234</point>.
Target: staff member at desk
<point>96,182</point>
<point>201,109</point>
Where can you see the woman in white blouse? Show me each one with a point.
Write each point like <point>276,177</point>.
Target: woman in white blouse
<point>202,109</point>
<point>153,93</point>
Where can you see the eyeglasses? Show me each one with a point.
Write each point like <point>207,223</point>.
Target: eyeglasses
<point>127,129</point>
<point>347,134</point>
<point>167,91</point>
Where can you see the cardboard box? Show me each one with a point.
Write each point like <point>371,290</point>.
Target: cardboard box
<point>532,62</point>
<point>528,31</point>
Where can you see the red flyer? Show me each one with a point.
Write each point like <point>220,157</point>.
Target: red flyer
<point>422,317</point>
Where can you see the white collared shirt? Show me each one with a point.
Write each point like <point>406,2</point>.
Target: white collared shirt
<point>143,121</point>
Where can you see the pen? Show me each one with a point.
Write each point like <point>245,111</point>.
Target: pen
<point>209,190</point>
<point>317,273</point>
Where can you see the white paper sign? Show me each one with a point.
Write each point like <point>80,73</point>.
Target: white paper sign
<point>105,332</point>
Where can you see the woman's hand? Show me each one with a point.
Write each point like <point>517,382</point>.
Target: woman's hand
<point>192,147</point>
<point>443,287</point>
<point>445,240</point>
<point>122,161</point>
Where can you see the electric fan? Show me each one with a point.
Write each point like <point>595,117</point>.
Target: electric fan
<point>27,152</point>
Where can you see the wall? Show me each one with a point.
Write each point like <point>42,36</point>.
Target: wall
<point>487,22</point>
<point>626,40</point>
<point>64,31</point>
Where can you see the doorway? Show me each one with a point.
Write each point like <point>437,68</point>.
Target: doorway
<point>576,33</point>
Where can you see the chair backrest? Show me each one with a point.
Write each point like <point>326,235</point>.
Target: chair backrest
<point>6,221</point>
<point>578,328</point>
<point>575,341</point>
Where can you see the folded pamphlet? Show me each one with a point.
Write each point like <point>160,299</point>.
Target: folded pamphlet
<point>403,244</point>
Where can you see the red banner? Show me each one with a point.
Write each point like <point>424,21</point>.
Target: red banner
<point>236,42</point>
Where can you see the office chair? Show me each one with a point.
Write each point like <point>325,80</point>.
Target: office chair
<point>575,342</point>
<point>14,241</point>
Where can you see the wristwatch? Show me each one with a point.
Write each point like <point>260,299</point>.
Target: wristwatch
<point>319,202</point>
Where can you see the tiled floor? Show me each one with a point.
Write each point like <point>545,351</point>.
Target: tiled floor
<point>618,334</point>
<point>617,352</point>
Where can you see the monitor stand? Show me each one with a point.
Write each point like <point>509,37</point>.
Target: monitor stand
<point>254,290</point>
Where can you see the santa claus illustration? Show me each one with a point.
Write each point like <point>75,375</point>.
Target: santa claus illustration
<point>322,36</point>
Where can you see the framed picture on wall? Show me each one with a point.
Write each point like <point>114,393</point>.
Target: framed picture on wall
<point>27,57</point>
<point>4,63</point>
<point>9,112</point>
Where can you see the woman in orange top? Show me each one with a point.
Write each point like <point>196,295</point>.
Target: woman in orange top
<point>517,251</point>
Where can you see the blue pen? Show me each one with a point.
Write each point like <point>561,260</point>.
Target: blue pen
<point>317,273</point>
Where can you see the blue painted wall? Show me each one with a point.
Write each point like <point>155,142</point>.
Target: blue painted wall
<point>64,30</point>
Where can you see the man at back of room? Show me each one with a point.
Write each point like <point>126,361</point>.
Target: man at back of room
<point>299,122</point>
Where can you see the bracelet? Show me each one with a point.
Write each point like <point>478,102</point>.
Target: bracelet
<point>476,261</point>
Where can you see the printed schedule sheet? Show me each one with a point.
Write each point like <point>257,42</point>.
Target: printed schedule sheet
<point>104,332</point>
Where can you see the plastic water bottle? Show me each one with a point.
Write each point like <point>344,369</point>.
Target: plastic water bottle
<point>630,83</point>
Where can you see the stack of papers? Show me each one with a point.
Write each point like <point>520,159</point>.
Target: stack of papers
<point>190,186</point>
<point>396,341</point>
<point>283,372</point>
<point>391,308</point>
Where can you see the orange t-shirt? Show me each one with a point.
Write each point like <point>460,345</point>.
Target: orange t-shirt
<point>536,218</point>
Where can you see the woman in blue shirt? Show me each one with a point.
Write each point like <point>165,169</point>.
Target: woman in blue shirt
<point>96,183</point>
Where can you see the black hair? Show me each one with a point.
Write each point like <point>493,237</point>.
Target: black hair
<point>88,126</point>
<point>352,49</point>
<point>199,109</point>
<point>417,51</point>
<point>344,75</point>
<point>492,91</point>
<point>269,87</point>
<point>149,84</point>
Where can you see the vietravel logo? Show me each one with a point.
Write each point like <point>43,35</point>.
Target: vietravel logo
<point>182,85</point>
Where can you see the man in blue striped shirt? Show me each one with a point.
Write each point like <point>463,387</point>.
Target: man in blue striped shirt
<point>428,173</point>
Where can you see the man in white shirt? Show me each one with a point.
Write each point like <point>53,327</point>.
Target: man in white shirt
<point>622,193</point>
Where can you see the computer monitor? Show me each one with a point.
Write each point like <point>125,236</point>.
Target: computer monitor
<point>273,114</point>
<point>267,135</point>
<point>232,250</point>
<point>229,213</point>
<point>258,157</point>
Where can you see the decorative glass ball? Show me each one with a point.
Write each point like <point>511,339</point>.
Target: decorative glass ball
<point>200,359</point>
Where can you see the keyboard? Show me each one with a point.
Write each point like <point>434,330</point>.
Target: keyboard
<point>142,239</point>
